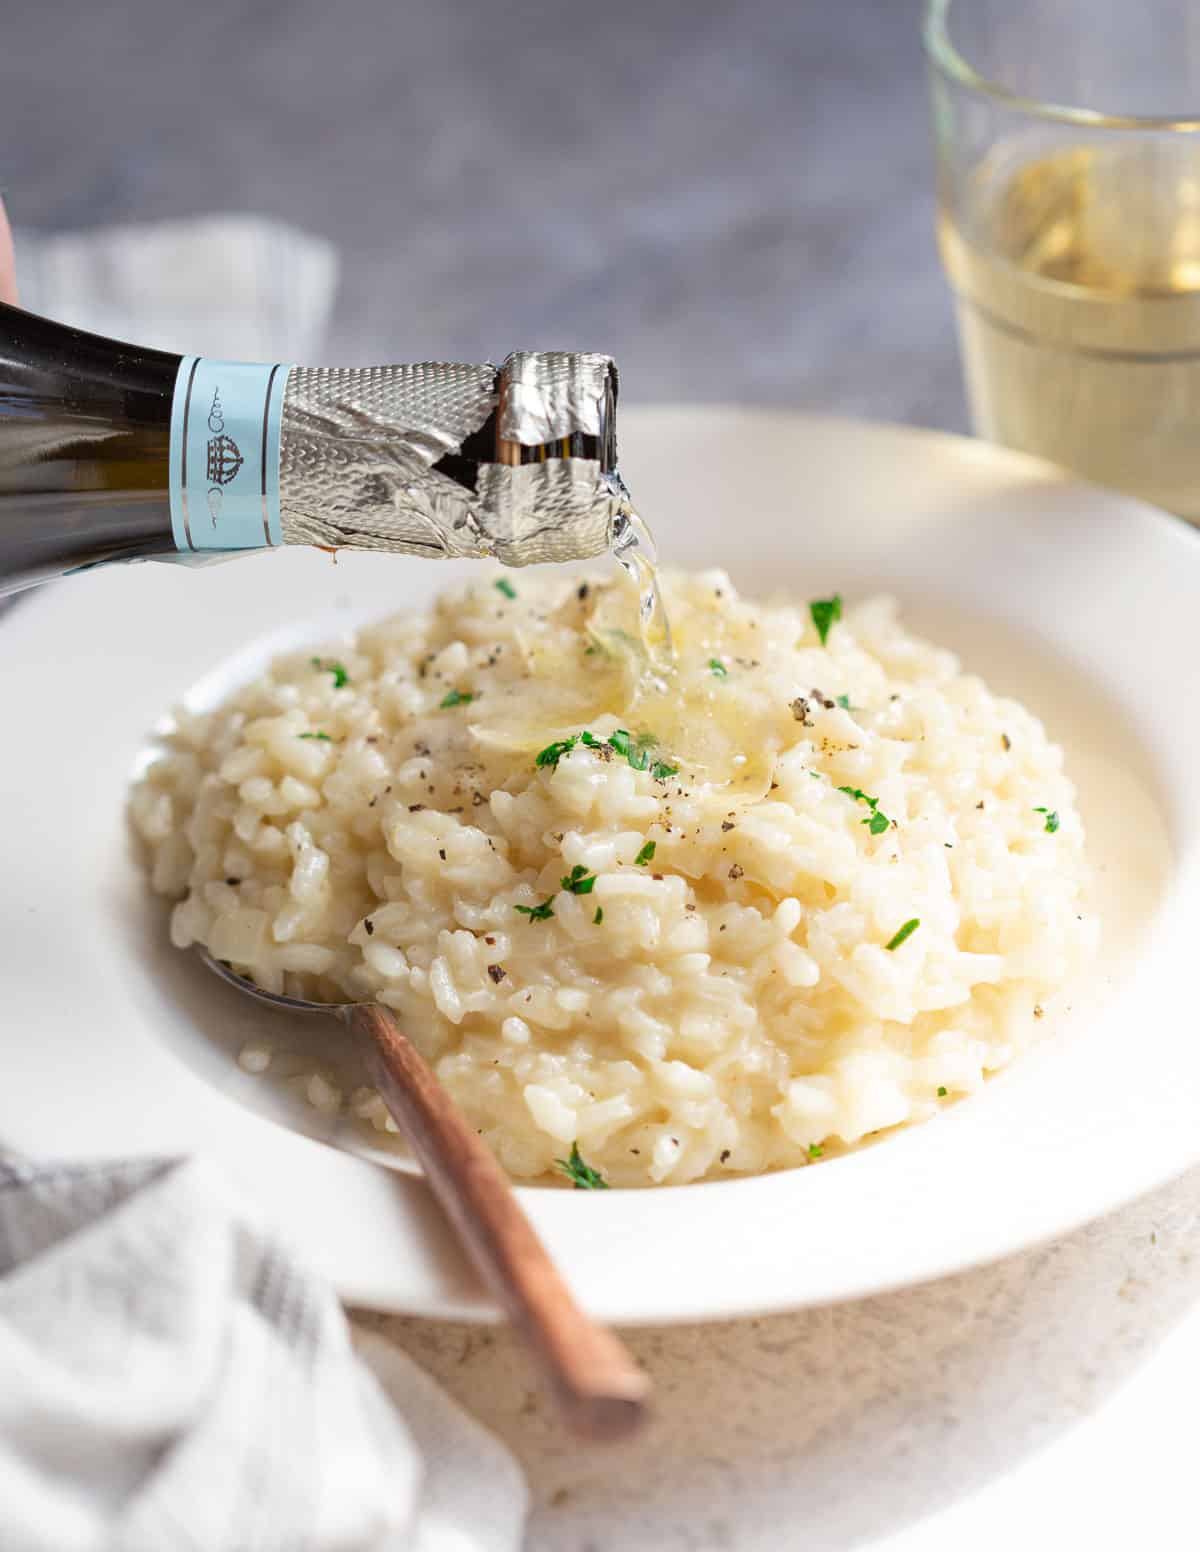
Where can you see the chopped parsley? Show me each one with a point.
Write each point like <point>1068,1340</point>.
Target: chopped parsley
<point>324,737</point>
<point>844,702</point>
<point>579,881</point>
<point>942,1091</point>
<point>815,1150</point>
<point>904,933</point>
<point>503,585</point>
<point>455,698</point>
<point>825,612</point>
<point>645,855</point>
<point>582,1176</point>
<point>876,821</point>
<point>719,671</point>
<point>340,677</point>
<point>635,751</point>
<point>599,916</point>
<point>1051,819</point>
<point>554,752</point>
<point>541,912</point>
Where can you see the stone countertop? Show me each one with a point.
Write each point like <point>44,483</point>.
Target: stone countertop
<point>1043,1401</point>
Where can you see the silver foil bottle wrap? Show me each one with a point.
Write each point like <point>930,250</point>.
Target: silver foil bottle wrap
<point>360,449</point>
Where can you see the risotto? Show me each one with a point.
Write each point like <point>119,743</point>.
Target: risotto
<point>824,884</point>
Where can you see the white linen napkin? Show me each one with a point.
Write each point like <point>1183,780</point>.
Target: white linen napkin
<point>236,287</point>
<point>172,1378</point>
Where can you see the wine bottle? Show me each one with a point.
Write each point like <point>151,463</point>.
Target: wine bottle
<point>110,452</point>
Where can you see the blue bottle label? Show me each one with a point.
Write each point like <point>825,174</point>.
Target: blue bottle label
<point>225,423</point>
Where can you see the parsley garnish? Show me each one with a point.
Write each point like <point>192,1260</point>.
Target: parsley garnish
<point>1051,819</point>
<point>844,702</point>
<point>503,585</point>
<point>942,1091</point>
<point>581,1175</point>
<point>904,933</point>
<point>815,1150</point>
<point>876,821</point>
<point>635,751</point>
<point>340,676</point>
<point>825,613</point>
<point>645,855</point>
<point>718,668</point>
<point>541,912</point>
<point>579,881</point>
<point>455,698</point>
<point>324,737</point>
<point>554,752</point>
<point>599,916</point>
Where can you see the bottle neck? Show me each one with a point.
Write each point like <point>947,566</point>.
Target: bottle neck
<point>84,429</point>
<point>111,452</point>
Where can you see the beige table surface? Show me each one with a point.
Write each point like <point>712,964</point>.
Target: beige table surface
<point>1052,1393</point>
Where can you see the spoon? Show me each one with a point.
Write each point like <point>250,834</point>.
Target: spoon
<point>600,1389</point>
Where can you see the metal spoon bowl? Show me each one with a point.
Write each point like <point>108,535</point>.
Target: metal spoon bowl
<point>601,1390</point>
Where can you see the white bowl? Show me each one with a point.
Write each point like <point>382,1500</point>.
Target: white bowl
<point>1084,604</point>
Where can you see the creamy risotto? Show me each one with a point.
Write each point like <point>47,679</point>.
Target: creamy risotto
<point>826,883</point>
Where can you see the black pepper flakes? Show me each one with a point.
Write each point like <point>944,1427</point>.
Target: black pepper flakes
<point>736,871</point>
<point>441,853</point>
<point>497,973</point>
<point>582,592</point>
<point>233,882</point>
<point>728,824</point>
<point>416,808</point>
<point>369,926</point>
<point>800,709</point>
<point>724,1155</point>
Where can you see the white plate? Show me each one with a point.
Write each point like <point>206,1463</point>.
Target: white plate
<point>1086,605</point>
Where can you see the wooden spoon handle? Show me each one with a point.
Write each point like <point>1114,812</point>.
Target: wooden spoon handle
<point>600,1388</point>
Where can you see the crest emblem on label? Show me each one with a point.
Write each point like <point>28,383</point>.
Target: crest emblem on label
<point>226,427</point>
<point>224,459</point>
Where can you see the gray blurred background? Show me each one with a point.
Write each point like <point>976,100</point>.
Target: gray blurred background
<point>735,200</point>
